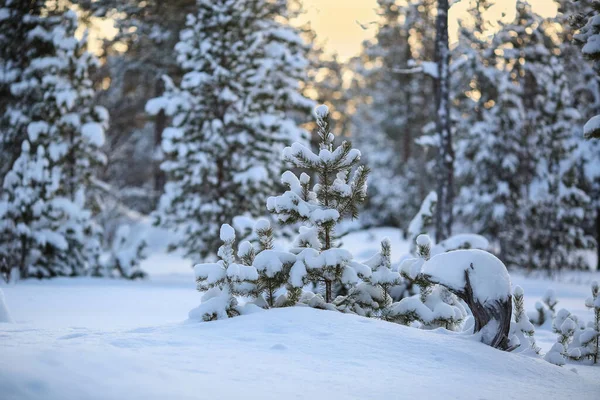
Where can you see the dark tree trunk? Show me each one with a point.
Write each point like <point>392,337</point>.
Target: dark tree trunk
<point>598,239</point>
<point>23,270</point>
<point>160,123</point>
<point>445,162</point>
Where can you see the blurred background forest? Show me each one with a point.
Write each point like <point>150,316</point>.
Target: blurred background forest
<point>521,91</point>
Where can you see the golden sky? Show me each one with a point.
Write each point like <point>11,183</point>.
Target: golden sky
<point>338,22</point>
<point>335,21</point>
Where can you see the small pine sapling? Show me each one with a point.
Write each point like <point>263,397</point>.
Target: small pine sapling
<point>371,297</point>
<point>222,282</point>
<point>341,188</point>
<point>435,306</point>
<point>592,343</point>
<point>273,267</point>
<point>550,301</point>
<point>564,325</point>
<point>522,329</point>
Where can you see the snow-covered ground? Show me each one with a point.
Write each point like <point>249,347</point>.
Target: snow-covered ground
<point>107,339</point>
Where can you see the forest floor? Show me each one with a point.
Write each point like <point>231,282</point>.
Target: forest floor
<point>91,338</point>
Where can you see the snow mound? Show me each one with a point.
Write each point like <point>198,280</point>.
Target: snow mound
<point>488,275</point>
<point>326,355</point>
<point>4,313</point>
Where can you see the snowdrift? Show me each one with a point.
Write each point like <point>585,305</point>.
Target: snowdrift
<point>282,353</point>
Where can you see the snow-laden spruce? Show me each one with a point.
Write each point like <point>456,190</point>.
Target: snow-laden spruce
<point>45,228</point>
<point>588,38</point>
<point>232,115</point>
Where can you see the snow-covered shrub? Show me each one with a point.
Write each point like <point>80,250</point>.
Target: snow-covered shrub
<point>125,256</point>
<point>576,341</point>
<point>222,282</point>
<point>371,298</point>
<point>564,325</point>
<point>435,306</point>
<point>593,302</point>
<point>521,329</point>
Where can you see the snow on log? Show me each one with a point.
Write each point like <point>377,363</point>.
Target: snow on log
<point>482,282</point>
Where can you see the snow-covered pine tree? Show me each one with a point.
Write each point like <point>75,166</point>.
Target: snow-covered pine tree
<point>25,221</point>
<point>64,131</point>
<point>222,281</point>
<point>585,87</point>
<point>231,116</point>
<point>135,59</point>
<point>19,22</point>
<point>385,204</point>
<point>589,39</point>
<point>495,153</point>
<point>392,107</point>
<point>340,189</point>
<point>557,204</point>
<point>474,91</point>
<point>564,325</point>
<point>521,328</point>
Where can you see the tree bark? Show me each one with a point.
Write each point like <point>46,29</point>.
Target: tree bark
<point>160,123</point>
<point>445,162</point>
<point>598,239</point>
